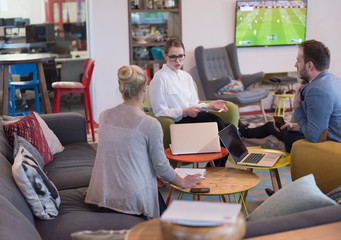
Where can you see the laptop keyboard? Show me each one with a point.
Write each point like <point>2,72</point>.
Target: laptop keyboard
<point>253,158</point>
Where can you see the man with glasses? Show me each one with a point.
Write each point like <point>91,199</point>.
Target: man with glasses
<point>173,94</point>
<point>317,104</point>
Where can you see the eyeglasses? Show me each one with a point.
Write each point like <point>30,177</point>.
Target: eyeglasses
<point>174,57</point>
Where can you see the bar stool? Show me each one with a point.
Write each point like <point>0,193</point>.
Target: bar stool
<point>78,87</point>
<point>28,71</point>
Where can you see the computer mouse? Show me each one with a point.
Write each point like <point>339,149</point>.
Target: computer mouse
<point>279,91</point>
<point>291,91</point>
<point>77,56</point>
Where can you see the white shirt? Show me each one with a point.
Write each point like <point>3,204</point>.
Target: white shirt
<point>172,92</point>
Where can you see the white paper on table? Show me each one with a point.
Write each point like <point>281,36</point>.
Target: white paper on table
<point>196,213</point>
<point>183,172</point>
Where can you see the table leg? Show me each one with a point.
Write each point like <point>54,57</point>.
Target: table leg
<point>212,164</point>
<point>5,90</point>
<point>43,89</point>
<point>275,179</point>
<point>243,202</point>
<point>244,194</point>
<point>169,196</point>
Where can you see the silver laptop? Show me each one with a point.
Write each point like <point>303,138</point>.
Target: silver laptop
<point>239,153</point>
<point>191,138</point>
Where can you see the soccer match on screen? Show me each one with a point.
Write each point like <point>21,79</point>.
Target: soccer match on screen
<point>266,23</point>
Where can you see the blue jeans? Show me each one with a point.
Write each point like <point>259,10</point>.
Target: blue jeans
<point>290,137</point>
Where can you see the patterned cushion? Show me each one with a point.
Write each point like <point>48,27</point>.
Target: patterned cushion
<point>232,87</point>
<point>335,194</point>
<point>29,128</point>
<point>39,191</point>
<point>51,138</point>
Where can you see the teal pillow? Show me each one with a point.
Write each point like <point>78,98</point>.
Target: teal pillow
<point>300,195</point>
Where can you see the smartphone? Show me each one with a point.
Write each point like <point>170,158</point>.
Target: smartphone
<point>200,190</point>
<point>279,121</point>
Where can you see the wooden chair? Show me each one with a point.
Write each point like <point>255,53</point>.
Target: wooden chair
<point>78,87</point>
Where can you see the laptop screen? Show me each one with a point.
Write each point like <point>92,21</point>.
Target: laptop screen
<point>233,143</point>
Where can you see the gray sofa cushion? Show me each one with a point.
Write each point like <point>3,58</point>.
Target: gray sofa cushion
<point>13,224</point>
<point>294,221</point>
<point>72,168</point>
<point>5,148</point>
<point>10,191</point>
<point>75,215</point>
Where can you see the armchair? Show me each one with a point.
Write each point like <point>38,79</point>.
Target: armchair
<point>217,66</point>
<point>323,160</point>
<point>231,116</point>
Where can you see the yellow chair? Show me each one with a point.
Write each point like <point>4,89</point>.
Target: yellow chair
<point>323,160</point>
<point>231,116</point>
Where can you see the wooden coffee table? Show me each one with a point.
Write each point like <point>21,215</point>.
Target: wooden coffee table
<point>224,181</point>
<point>195,159</point>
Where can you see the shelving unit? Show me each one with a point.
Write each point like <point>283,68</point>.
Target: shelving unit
<point>151,24</point>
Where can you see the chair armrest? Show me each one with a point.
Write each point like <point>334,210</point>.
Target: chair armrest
<point>165,123</point>
<point>320,159</point>
<point>231,116</point>
<point>68,127</point>
<point>249,79</point>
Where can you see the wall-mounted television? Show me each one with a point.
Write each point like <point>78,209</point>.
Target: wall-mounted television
<point>270,23</point>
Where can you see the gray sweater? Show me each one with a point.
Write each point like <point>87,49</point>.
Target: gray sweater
<point>129,156</point>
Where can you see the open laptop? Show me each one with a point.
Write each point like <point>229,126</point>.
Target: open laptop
<point>239,153</point>
<point>191,138</point>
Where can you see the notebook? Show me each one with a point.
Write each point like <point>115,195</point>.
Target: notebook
<point>239,153</point>
<point>192,138</point>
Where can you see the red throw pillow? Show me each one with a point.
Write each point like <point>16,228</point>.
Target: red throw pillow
<point>29,128</point>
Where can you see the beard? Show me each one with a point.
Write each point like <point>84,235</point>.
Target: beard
<point>303,76</point>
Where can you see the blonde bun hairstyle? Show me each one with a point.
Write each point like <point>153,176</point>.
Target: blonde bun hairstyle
<point>131,80</point>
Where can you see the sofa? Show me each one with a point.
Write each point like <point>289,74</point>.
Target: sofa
<point>70,171</point>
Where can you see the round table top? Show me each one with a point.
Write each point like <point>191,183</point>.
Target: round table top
<point>283,161</point>
<point>9,59</point>
<point>224,181</point>
<point>199,157</point>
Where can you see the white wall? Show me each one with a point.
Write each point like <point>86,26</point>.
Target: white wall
<point>32,9</point>
<point>207,23</point>
<point>109,46</point>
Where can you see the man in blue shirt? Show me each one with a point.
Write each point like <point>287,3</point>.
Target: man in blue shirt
<point>317,104</point>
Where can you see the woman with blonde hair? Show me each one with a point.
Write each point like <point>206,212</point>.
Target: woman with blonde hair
<point>130,155</point>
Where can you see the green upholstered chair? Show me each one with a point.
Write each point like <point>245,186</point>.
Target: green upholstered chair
<point>231,116</point>
<point>321,159</point>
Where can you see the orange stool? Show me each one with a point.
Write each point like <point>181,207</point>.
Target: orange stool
<point>78,87</point>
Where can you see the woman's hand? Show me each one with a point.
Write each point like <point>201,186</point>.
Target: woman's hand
<point>218,105</point>
<point>191,112</point>
<point>187,182</point>
<point>191,180</point>
<point>161,183</point>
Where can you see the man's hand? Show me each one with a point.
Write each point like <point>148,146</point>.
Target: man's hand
<point>287,126</point>
<point>297,98</point>
<point>218,105</point>
<point>191,112</point>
